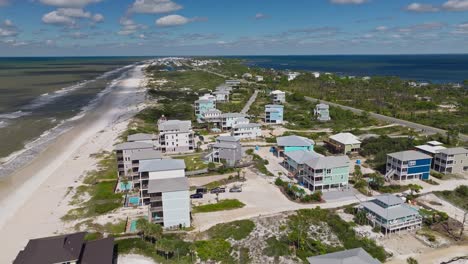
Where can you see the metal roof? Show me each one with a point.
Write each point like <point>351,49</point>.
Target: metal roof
<point>178,125</point>
<point>454,151</point>
<point>251,125</point>
<point>328,162</point>
<point>232,115</point>
<point>278,92</point>
<point>389,199</point>
<point>346,138</point>
<point>161,165</point>
<point>133,145</point>
<point>98,251</point>
<point>430,148</point>
<point>168,185</point>
<point>146,154</point>
<point>227,139</point>
<point>140,137</point>
<point>409,155</point>
<point>390,213</point>
<point>435,143</point>
<point>294,141</point>
<point>351,256</point>
<point>322,106</point>
<point>226,145</point>
<point>274,106</point>
<point>301,156</point>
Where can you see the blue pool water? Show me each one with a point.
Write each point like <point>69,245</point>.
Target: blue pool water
<point>125,187</point>
<point>133,200</point>
<point>133,226</point>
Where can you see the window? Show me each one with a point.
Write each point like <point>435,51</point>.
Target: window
<point>328,171</point>
<point>412,163</point>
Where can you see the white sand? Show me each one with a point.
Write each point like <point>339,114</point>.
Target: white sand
<point>40,198</point>
<point>134,259</point>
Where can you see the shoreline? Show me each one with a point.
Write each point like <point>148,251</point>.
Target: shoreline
<point>34,198</point>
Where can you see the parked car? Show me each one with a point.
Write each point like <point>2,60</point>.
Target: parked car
<point>196,196</point>
<point>218,190</point>
<point>201,190</point>
<point>236,189</point>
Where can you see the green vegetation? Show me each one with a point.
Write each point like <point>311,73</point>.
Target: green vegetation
<point>237,101</point>
<point>276,248</point>
<point>196,80</point>
<point>224,182</point>
<point>99,185</point>
<point>431,217</point>
<point>222,205</point>
<point>236,230</point>
<point>149,230</point>
<point>193,162</point>
<point>296,193</point>
<point>260,163</point>
<point>458,197</point>
<point>215,250</point>
<point>411,261</point>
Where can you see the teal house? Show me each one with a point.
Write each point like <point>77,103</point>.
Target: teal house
<point>292,143</point>
<point>326,173</point>
<point>202,106</point>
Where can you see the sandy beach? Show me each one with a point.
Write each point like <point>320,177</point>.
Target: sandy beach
<point>34,198</point>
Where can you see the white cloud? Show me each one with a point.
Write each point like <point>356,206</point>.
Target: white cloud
<point>129,27</point>
<point>154,6</point>
<point>98,18</point>
<point>421,8</point>
<point>69,3</point>
<point>55,18</point>
<point>8,23</point>
<point>260,16</point>
<point>381,28</point>
<point>456,5</point>
<point>5,32</point>
<point>73,12</point>
<point>346,2</point>
<point>172,20</point>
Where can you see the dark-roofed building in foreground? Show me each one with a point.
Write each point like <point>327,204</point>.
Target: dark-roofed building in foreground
<point>71,248</point>
<point>351,256</point>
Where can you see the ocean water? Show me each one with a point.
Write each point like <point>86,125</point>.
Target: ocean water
<point>432,68</point>
<point>40,97</point>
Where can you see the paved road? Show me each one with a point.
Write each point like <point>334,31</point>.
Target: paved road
<point>424,128</point>
<point>250,102</point>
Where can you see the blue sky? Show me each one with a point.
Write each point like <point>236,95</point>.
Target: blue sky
<point>231,27</point>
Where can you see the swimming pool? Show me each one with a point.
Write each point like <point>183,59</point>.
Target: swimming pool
<point>125,186</point>
<point>133,227</point>
<point>135,200</point>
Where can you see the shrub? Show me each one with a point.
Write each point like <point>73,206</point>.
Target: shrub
<point>236,230</point>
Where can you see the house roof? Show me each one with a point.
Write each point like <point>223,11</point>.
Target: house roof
<point>294,141</point>
<point>213,111</point>
<point>346,138</point>
<point>409,155</point>
<point>226,145</point>
<point>232,115</point>
<point>133,145</point>
<point>227,139</point>
<point>390,213</point>
<point>182,126</point>
<point>203,101</point>
<point>56,249</point>
<point>221,92</point>
<point>146,154</point>
<point>322,106</point>
<point>454,151</point>
<point>435,143</point>
<point>351,256</point>
<point>140,137</point>
<point>301,156</point>
<point>274,106</point>
<point>168,185</point>
<point>98,251</point>
<point>328,162</point>
<point>278,92</point>
<point>161,165</point>
<point>430,149</point>
<point>251,125</point>
<point>389,199</point>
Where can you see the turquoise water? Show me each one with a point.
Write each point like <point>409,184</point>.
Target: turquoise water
<point>133,227</point>
<point>126,187</point>
<point>134,200</point>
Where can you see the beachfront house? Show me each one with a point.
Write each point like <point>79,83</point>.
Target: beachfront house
<point>233,83</point>
<point>176,136</point>
<point>344,143</point>
<point>408,165</point>
<point>246,131</point>
<point>292,143</point>
<point>142,137</point>
<point>202,106</point>
<point>292,75</point>
<point>322,111</point>
<point>136,158</point>
<point>274,114</point>
<point>222,96</point>
<point>391,214</point>
<point>247,76</point>
<point>326,173</point>
<point>69,248</point>
<point>259,78</point>
<point>226,150</point>
<point>278,97</point>
<point>350,256</point>
<point>212,116</point>
<point>316,74</point>
<point>431,148</point>
<point>451,160</point>
<point>228,120</point>
<point>294,162</point>
<point>124,152</point>
<point>165,189</point>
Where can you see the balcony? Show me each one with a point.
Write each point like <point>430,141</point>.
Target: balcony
<point>156,209</point>
<point>155,198</point>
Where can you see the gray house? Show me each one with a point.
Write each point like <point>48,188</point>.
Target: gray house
<point>123,153</point>
<point>451,160</point>
<point>350,256</point>
<point>227,150</point>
